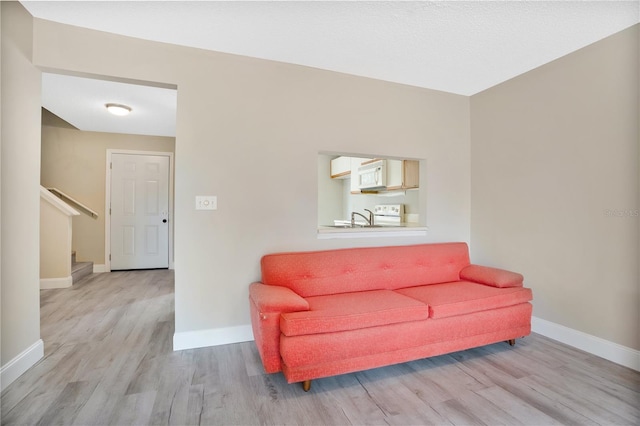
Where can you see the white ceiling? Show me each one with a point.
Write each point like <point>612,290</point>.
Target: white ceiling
<point>453,46</point>
<point>82,103</point>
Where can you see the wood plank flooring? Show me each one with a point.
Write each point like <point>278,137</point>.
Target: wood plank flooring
<point>109,360</point>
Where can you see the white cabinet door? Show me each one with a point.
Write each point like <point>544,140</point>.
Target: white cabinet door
<point>394,174</point>
<point>139,211</point>
<point>341,168</point>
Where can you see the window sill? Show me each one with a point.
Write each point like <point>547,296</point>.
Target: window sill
<point>408,230</point>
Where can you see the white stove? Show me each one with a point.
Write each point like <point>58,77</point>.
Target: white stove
<point>388,214</point>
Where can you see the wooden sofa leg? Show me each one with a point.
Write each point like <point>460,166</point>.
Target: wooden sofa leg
<point>306,385</point>
<point>512,342</point>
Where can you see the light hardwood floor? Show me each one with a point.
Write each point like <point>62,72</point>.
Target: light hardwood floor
<point>109,360</point>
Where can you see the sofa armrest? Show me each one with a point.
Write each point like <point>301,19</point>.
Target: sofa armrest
<point>267,303</point>
<point>273,298</point>
<point>491,276</point>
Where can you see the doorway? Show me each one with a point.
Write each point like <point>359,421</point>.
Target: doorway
<point>139,214</point>
<point>74,156</point>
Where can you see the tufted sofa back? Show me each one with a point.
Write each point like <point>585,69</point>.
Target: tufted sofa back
<point>319,273</point>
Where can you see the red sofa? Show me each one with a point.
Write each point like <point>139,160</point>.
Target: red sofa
<point>322,313</point>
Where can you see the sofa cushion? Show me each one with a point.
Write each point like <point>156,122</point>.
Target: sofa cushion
<point>464,297</point>
<point>368,268</point>
<point>349,311</point>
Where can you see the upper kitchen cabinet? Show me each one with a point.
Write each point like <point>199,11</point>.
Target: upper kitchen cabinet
<point>341,168</point>
<point>402,174</point>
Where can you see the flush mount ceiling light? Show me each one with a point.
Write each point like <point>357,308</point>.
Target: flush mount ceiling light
<point>118,109</point>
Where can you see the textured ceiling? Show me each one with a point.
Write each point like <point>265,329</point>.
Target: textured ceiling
<point>453,46</point>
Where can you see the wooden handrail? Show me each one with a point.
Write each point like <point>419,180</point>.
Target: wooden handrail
<point>66,198</point>
<point>57,202</point>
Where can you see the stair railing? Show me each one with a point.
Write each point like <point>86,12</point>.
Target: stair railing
<point>75,203</point>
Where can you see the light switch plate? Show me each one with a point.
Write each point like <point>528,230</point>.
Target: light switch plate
<point>206,202</point>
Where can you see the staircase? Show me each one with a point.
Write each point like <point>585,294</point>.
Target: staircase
<point>79,270</point>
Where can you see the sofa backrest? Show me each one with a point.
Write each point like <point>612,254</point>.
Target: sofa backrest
<point>319,273</point>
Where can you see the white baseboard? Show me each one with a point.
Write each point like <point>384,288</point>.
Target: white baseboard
<point>98,269</point>
<point>594,345</point>
<point>212,337</point>
<point>49,283</point>
<point>18,365</point>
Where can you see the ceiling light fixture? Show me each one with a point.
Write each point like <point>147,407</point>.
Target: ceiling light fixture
<point>118,109</point>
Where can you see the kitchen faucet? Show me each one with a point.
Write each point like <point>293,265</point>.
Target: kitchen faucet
<point>369,220</point>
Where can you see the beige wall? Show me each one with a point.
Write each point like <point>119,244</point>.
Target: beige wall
<point>554,194</point>
<point>20,86</point>
<point>75,162</point>
<point>249,131</point>
<point>55,242</point>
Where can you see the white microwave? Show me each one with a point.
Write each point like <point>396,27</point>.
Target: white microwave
<point>373,175</point>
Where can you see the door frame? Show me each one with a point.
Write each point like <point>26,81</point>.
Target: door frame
<point>107,201</point>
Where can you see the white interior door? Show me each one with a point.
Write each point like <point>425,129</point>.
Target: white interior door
<point>139,211</point>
